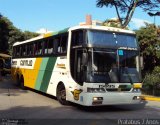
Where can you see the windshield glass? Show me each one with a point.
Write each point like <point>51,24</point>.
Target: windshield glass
<point>114,66</point>
<point>110,39</point>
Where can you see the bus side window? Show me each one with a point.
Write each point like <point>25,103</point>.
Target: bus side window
<point>25,50</point>
<point>56,45</point>
<point>39,48</point>
<point>17,51</point>
<point>50,46</point>
<point>14,52</point>
<point>21,51</point>
<point>34,49</point>
<point>45,45</point>
<point>30,49</point>
<point>77,37</point>
<point>64,40</point>
<point>27,47</point>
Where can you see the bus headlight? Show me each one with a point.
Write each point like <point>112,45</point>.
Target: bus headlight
<point>136,90</point>
<point>136,98</point>
<point>95,90</point>
<point>97,100</point>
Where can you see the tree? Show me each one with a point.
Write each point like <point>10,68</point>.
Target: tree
<point>151,82</point>
<point>9,34</point>
<point>29,35</point>
<point>149,41</point>
<point>125,8</point>
<point>4,33</point>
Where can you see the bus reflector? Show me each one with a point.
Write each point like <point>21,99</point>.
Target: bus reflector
<point>137,85</point>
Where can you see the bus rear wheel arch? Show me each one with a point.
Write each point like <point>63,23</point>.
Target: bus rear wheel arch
<point>61,94</point>
<point>20,82</point>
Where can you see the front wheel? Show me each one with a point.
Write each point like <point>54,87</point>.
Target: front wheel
<point>61,94</point>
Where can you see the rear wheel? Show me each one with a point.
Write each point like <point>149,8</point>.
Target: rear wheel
<point>3,73</point>
<point>61,94</point>
<point>17,83</point>
<point>22,83</point>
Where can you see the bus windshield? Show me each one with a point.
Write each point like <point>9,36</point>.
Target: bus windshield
<point>110,39</point>
<point>108,58</point>
<point>111,67</point>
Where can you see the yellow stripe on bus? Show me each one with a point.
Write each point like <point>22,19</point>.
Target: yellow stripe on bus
<point>47,35</point>
<point>33,74</point>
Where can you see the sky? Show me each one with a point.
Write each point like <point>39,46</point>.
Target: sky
<point>54,15</point>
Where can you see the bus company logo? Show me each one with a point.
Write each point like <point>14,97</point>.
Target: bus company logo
<point>26,62</point>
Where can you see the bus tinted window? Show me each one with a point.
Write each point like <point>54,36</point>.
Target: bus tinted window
<point>64,43</point>
<point>23,52</point>
<point>45,45</point>
<point>35,49</point>
<point>39,47</point>
<point>17,51</point>
<point>77,37</point>
<point>50,45</point>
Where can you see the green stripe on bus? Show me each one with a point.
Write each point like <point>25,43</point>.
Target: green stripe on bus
<point>48,72</point>
<point>41,73</point>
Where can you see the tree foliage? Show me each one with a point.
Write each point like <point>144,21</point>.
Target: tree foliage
<point>125,8</point>
<point>151,82</point>
<point>149,41</point>
<point>4,34</point>
<point>9,34</point>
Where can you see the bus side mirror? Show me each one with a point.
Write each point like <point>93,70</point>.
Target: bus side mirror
<point>141,62</point>
<point>84,59</point>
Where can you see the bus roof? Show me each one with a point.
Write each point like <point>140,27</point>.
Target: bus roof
<point>104,28</point>
<point>42,36</point>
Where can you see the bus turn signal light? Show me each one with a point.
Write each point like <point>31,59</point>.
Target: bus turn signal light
<point>137,85</point>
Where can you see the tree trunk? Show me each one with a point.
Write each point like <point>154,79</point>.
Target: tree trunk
<point>129,15</point>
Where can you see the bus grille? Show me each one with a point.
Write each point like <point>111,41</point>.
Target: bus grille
<point>119,90</point>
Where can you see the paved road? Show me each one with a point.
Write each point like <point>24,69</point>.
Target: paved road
<point>37,108</point>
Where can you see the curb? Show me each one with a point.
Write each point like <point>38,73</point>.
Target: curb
<point>150,98</point>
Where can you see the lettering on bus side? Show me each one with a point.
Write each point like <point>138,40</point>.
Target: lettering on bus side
<point>26,62</point>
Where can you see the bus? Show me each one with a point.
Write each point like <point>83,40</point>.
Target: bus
<point>5,62</point>
<point>88,65</point>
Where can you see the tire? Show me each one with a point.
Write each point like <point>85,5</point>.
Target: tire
<point>61,94</point>
<point>22,83</point>
<point>17,83</point>
<point>3,73</point>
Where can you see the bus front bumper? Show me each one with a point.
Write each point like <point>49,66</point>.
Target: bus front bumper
<point>109,98</point>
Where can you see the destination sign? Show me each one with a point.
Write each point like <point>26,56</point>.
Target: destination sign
<point>26,62</point>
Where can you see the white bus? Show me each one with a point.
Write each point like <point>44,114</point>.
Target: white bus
<point>88,65</point>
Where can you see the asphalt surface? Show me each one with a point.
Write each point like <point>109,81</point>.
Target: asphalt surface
<point>30,107</point>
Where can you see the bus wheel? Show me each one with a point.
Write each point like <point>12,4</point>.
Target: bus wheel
<point>17,83</point>
<point>22,83</point>
<point>61,94</point>
<point>3,73</point>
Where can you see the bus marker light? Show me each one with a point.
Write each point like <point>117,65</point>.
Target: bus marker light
<point>137,85</point>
